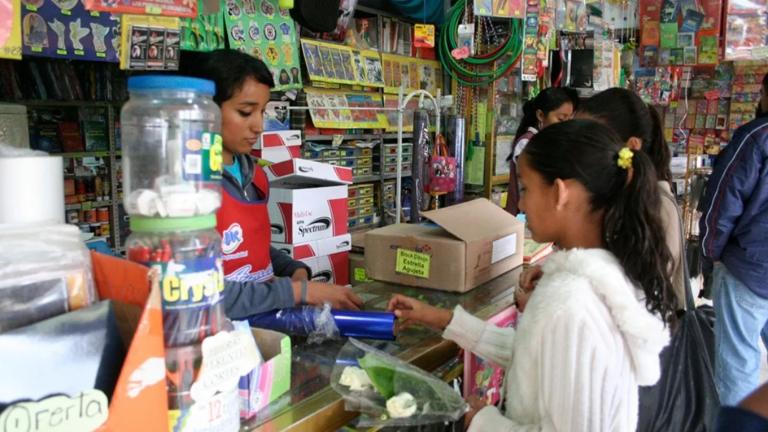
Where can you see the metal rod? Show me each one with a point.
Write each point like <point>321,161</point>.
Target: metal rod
<point>296,108</point>
<point>399,176</point>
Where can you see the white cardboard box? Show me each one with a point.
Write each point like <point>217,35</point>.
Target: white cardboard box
<point>327,258</point>
<point>305,214</point>
<point>316,248</point>
<point>277,154</point>
<point>289,138</point>
<point>307,173</point>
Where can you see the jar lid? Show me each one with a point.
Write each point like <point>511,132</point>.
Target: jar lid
<point>154,225</point>
<point>171,82</point>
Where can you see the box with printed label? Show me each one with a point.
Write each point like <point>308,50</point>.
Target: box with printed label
<point>305,214</point>
<point>307,200</point>
<point>332,268</point>
<point>277,154</point>
<point>327,258</point>
<point>289,138</point>
<point>467,245</point>
<point>272,378</point>
<point>316,248</point>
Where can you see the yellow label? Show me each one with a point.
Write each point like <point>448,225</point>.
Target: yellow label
<point>360,275</point>
<point>425,34</point>
<point>413,263</point>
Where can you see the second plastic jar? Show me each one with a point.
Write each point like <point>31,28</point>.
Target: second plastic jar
<point>171,147</point>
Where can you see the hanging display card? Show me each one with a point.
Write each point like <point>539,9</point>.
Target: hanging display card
<point>175,8</point>
<point>410,73</point>
<point>390,101</point>
<point>64,29</point>
<point>263,30</point>
<point>152,42</point>
<point>746,30</point>
<point>500,8</point>
<point>10,29</point>
<point>330,109</point>
<point>204,33</point>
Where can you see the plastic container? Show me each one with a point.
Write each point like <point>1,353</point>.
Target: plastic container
<point>171,147</point>
<point>187,253</point>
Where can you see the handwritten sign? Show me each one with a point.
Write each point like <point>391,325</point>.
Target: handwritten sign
<point>226,357</point>
<point>413,263</point>
<point>86,411</point>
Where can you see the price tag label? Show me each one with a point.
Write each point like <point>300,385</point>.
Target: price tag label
<point>413,263</point>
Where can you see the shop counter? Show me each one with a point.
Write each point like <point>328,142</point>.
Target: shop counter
<point>312,405</point>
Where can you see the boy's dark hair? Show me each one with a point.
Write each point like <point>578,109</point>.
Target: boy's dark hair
<point>587,151</point>
<point>227,68</point>
<point>628,116</point>
<point>547,101</point>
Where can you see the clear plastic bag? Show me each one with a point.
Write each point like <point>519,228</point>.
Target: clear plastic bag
<point>436,401</point>
<point>44,271</point>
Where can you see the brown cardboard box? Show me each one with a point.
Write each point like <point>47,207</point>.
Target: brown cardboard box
<point>470,244</point>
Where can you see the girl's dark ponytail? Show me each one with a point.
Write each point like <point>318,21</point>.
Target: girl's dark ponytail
<point>634,234</point>
<point>657,148</point>
<point>588,152</point>
<point>547,101</point>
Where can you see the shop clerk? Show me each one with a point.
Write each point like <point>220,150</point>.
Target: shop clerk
<point>257,277</point>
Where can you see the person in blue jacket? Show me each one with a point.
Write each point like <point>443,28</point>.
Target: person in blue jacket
<point>734,240</point>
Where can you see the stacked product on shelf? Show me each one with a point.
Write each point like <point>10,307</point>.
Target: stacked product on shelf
<point>387,162</point>
<point>172,165</point>
<point>362,206</point>
<point>308,213</point>
<point>356,155</point>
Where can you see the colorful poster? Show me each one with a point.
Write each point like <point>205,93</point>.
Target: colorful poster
<point>204,33</point>
<point>669,35</point>
<point>263,30</point>
<point>390,101</point>
<point>174,8</point>
<point>330,109</point>
<point>64,29</point>
<point>152,42</point>
<point>500,8</point>
<point>746,30</point>
<point>333,63</point>
<point>10,29</point>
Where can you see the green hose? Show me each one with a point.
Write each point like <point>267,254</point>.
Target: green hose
<point>466,77</point>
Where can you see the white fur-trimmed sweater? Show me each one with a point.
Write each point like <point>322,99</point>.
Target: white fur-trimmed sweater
<point>578,354</point>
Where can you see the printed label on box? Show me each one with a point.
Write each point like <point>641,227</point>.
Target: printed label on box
<point>226,357</point>
<point>413,263</point>
<point>503,248</point>
<point>86,411</point>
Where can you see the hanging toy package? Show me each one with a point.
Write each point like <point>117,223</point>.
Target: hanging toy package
<point>391,392</point>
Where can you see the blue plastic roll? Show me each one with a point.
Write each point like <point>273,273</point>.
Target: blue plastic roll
<point>365,325</point>
<point>303,321</point>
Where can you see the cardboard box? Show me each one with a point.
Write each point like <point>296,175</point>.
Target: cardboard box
<point>332,268</point>
<point>303,172</point>
<point>289,138</point>
<point>304,215</point>
<point>467,245</point>
<point>277,154</point>
<point>308,200</point>
<point>317,248</point>
<point>327,258</point>
<point>272,378</point>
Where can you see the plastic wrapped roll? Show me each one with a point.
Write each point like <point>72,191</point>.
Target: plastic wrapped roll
<point>319,324</point>
<point>456,137</point>
<point>420,161</point>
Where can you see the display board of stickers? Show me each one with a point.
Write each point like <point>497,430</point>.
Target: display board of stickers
<point>746,30</point>
<point>391,101</point>
<point>679,32</point>
<point>334,63</point>
<point>204,33</point>
<point>65,29</point>
<point>263,30</point>
<point>410,73</point>
<point>330,109</point>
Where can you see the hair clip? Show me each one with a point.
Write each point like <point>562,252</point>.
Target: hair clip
<point>625,158</point>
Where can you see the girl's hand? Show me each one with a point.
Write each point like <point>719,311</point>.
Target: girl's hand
<point>475,405</point>
<point>529,278</point>
<point>410,311</point>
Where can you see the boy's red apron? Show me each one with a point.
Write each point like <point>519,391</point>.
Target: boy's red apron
<point>245,234</point>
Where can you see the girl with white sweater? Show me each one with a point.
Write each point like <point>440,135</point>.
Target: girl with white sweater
<point>593,329</point>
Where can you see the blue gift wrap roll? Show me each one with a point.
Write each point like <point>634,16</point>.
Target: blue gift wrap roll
<point>302,322</point>
<point>365,325</point>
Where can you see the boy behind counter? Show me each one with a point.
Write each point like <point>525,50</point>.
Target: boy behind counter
<point>257,277</point>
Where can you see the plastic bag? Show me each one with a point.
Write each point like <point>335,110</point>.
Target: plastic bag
<point>436,401</point>
<point>44,271</point>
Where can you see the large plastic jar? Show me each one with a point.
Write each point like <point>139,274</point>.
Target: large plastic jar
<point>171,147</point>
<point>187,254</point>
